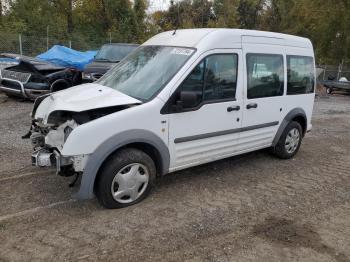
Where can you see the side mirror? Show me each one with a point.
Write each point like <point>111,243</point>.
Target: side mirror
<point>187,100</point>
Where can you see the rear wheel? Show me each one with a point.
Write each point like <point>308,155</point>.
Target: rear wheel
<point>329,90</point>
<point>125,179</point>
<point>289,142</point>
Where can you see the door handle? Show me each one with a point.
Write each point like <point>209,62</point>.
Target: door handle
<point>233,108</point>
<point>252,105</point>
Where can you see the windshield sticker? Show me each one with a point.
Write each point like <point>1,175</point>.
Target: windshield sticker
<point>182,51</point>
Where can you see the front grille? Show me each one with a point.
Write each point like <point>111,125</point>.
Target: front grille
<point>19,76</point>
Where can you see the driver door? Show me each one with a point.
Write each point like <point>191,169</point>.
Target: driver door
<point>209,128</point>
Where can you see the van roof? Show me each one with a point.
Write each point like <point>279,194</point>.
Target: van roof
<point>225,38</point>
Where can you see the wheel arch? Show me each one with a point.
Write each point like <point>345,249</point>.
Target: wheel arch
<point>143,140</point>
<point>298,115</point>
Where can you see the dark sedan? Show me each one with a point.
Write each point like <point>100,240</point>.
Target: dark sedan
<point>108,56</point>
<point>32,78</point>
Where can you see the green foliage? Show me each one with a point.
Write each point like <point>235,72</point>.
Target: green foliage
<point>90,23</point>
<point>325,22</point>
<point>140,7</point>
<point>248,12</point>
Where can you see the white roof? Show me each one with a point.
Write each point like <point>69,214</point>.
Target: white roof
<point>224,38</point>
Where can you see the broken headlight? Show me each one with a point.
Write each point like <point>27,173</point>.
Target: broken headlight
<point>38,140</point>
<point>67,132</point>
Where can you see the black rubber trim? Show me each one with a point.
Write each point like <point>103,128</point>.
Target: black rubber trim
<point>292,114</point>
<point>222,133</point>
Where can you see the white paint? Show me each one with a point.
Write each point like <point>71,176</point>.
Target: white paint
<point>85,138</point>
<point>81,98</point>
<point>55,137</point>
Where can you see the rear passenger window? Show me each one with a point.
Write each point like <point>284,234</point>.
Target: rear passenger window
<point>301,78</point>
<point>214,78</point>
<point>265,75</point>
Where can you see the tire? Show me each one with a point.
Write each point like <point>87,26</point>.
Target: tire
<point>125,179</point>
<point>60,85</point>
<point>329,90</point>
<point>292,130</point>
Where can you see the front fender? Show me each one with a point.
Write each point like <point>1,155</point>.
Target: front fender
<point>112,144</point>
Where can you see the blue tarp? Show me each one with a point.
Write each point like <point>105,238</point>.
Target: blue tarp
<point>64,56</point>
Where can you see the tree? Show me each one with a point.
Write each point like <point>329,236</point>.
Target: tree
<point>140,7</point>
<point>66,7</point>
<point>90,23</point>
<point>225,13</point>
<point>0,11</point>
<point>186,14</point>
<point>248,13</point>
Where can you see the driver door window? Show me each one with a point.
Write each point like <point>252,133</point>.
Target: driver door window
<point>213,79</point>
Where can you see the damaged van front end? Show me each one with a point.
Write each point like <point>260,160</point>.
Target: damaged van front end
<point>48,141</point>
<point>56,116</point>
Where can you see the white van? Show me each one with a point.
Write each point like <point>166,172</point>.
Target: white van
<point>182,99</point>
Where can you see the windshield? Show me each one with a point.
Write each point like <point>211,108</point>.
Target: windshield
<point>144,72</point>
<point>114,53</point>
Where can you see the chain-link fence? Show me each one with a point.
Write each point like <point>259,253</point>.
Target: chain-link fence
<point>331,72</point>
<point>30,45</point>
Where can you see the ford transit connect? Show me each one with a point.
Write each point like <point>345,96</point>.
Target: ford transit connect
<point>182,99</point>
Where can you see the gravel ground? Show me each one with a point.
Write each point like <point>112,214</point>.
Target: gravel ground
<point>248,208</point>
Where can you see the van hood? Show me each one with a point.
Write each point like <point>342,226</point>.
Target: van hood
<point>80,98</point>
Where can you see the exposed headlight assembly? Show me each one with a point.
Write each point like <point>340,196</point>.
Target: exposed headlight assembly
<point>87,76</point>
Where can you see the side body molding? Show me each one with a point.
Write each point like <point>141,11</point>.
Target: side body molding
<point>86,190</point>
<point>292,114</point>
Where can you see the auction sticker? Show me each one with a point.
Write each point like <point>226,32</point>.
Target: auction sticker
<point>182,51</point>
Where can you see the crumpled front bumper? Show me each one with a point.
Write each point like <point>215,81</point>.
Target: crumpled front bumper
<point>44,158</point>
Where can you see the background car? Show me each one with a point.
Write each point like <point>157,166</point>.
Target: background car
<point>33,77</point>
<point>108,56</point>
<point>7,60</point>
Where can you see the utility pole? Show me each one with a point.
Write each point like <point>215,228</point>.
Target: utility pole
<point>20,44</point>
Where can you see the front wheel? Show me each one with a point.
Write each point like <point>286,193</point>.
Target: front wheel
<point>289,142</point>
<point>125,179</point>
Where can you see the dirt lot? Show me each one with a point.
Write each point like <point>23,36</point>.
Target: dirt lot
<point>248,208</point>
